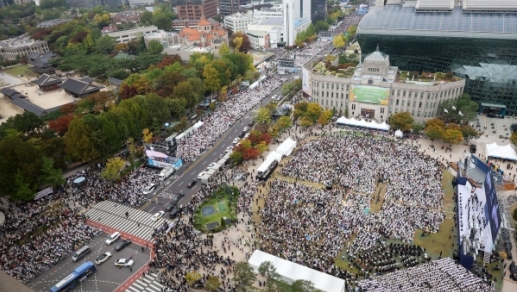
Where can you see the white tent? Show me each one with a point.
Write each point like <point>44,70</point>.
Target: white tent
<point>503,152</point>
<point>274,156</point>
<point>267,162</point>
<point>198,125</point>
<point>398,133</point>
<point>362,123</point>
<point>287,147</point>
<point>290,272</point>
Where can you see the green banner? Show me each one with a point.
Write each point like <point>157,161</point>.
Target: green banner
<point>369,94</point>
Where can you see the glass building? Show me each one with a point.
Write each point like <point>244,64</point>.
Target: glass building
<point>476,40</point>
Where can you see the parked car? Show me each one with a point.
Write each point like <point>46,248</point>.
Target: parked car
<point>177,198</point>
<point>124,243</point>
<point>211,165</point>
<point>124,263</point>
<point>236,140</point>
<point>191,184</point>
<point>148,189</point>
<point>112,238</point>
<point>245,129</point>
<point>473,148</point>
<point>251,123</point>
<point>157,216</point>
<point>200,175</point>
<point>102,258</point>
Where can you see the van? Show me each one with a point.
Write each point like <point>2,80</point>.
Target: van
<point>81,253</point>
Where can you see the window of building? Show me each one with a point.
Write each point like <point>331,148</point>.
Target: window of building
<point>374,70</point>
<point>382,110</point>
<point>397,102</point>
<point>419,104</point>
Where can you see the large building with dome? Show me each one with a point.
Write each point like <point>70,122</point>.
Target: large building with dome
<point>375,90</point>
<point>474,39</point>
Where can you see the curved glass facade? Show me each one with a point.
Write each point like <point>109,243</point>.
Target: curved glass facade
<point>480,47</point>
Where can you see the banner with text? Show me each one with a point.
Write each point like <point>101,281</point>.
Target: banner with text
<point>369,94</point>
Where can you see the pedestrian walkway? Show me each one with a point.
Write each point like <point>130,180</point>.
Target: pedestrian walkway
<point>138,223</point>
<point>147,283</point>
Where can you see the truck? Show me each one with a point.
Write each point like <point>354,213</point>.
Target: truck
<point>166,173</point>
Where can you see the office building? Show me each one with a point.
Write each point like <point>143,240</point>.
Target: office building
<point>239,21</point>
<point>21,46</point>
<point>375,90</point>
<point>474,39</point>
<point>88,4</point>
<point>196,9</point>
<point>228,7</point>
<point>127,35</point>
<point>139,3</point>
<point>296,13</point>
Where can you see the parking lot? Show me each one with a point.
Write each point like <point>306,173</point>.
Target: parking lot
<point>107,278</point>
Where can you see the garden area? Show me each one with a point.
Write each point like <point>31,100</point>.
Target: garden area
<point>17,70</point>
<point>218,211</point>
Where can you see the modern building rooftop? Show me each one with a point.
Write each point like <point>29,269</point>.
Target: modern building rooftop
<point>51,23</point>
<point>272,21</point>
<point>400,20</point>
<point>300,21</point>
<point>19,42</point>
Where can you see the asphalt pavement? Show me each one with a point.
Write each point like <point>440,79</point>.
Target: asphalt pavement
<point>107,278</point>
<point>178,184</point>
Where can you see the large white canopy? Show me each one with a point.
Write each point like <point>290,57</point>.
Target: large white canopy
<point>503,152</point>
<point>287,147</point>
<point>362,123</point>
<point>290,272</point>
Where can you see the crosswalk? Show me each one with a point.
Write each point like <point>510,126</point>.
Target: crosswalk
<point>147,283</point>
<point>138,223</point>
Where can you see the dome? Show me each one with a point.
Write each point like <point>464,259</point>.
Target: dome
<point>376,55</point>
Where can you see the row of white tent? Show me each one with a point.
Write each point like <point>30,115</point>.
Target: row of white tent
<point>189,130</point>
<point>499,151</point>
<point>284,149</point>
<point>362,123</point>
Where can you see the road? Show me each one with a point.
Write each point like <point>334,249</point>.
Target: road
<point>164,194</point>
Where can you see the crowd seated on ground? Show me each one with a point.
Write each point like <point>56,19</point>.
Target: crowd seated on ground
<point>25,256</point>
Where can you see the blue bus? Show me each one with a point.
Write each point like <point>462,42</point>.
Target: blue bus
<point>80,274</point>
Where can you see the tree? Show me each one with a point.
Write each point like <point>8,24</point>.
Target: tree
<point>113,168</point>
<point>184,90</point>
<point>161,20</point>
<point>283,123</point>
<point>433,132</point>
<point>338,41</point>
<point>211,75</point>
<point>262,116</point>
<point>60,125</point>
<point>401,121</point>
<point>78,141</point>
<point>325,117</point>
<point>105,44</point>
<point>154,47</point>
<point>242,44</point>
<point>236,157</point>
<point>213,282</point>
<point>268,270</point>
<point>224,49</point>
<point>147,135</point>
<point>463,104</point>
<point>313,112</point>
<point>513,138</point>
<point>452,136</point>
<point>435,121</point>
<point>243,276</point>
<point>321,25</point>
<point>303,286</point>
<point>122,46</point>
<point>146,17</point>
<point>192,277</point>
<point>51,176</point>
<point>237,43</point>
<point>417,128</point>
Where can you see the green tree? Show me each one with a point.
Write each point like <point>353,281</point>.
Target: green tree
<point>313,112</point>
<point>469,132</point>
<point>105,44</point>
<point>154,47</point>
<point>236,157</point>
<point>283,123</point>
<point>213,282</point>
<point>434,132</point>
<point>463,104</point>
<point>192,277</point>
<point>268,270</point>
<point>243,276</point>
<point>262,116</point>
<point>212,80</point>
<point>417,128</point>
<point>51,176</point>
<point>325,117</point>
<point>146,17</point>
<point>113,168</point>
<point>161,20</point>
<point>338,42</point>
<point>185,91</point>
<point>452,136</point>
<point>321,25</point>
<point>78,141</point>
<point>303,286</point>
<point>513,139</point>
<point>401,121</point>
<point>224,49</point>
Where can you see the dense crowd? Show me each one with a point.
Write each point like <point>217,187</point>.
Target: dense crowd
<point>25,256</point>
<point>440,275</point>
<point>225,116</point>
<point>348,21</point>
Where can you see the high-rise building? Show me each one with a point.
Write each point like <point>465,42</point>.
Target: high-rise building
<point>474,39</point>
<point>196,9</point>
<point>296,12</point>
<point>228,7</point>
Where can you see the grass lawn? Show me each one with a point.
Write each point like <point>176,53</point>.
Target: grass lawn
<point>15,71</point>
<point>223,207</point>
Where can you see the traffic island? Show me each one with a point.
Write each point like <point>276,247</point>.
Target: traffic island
<point>218,211</point>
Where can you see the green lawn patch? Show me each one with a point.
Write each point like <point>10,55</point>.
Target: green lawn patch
<point>15,71</point>
<point>213,214</point>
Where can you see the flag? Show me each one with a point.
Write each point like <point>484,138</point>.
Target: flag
<point>453,107</point>
<point>445,110</point>
<point>460,113</point>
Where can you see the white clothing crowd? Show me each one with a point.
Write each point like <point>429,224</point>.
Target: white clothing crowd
<point>439,275</point>
<point>218,122</point>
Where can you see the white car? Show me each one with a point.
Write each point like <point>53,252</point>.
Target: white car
<point>211,165</point>
<point>236,140</point>
<point>157,216</point>
<point>201,175</point>
<point>148,189</point>
<point>229,149</point>
<point>112,238</point>
<point>102,258</point>
<point>245,129</point>
<point>124,263</point>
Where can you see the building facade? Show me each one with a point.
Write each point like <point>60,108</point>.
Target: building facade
<point>93,3</point>
<point>21,46</point>
<point>165,38</point>
<point>239,21</point>
<point>472,39</point>
<point>375,90</point>
<point>228,7</point>
<point>296,12</point>
<point>125,36</point>
<point>139,3</point>
<point>126,17</point>
<point>196,9</point>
